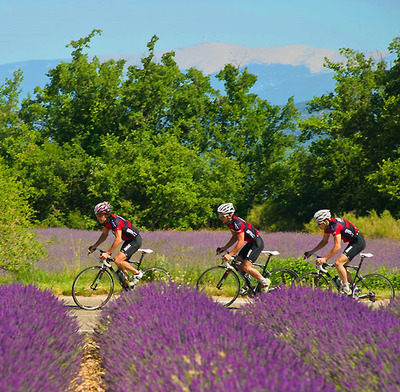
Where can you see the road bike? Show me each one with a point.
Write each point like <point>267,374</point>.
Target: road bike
<point>371,287</point>
<point>94,286</point>
<point>223,282</point>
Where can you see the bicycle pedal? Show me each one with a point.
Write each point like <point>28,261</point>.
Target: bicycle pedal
<point>243,291</point>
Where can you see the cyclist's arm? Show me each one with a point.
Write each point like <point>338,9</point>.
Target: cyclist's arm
<point>230,242</point>
<point>321,244</point>
<point>240,242</point>
<point>116,242</point>
<point>336,247</point>
<point>102,238</point>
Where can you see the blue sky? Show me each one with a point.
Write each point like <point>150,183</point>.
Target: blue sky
<point>41,29</point>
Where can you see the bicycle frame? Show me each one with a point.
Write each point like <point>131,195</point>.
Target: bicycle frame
<point>106,265</point>
<point>232,265</point>
<point>321,270</point>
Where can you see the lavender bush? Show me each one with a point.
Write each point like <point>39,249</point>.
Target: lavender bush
<point>40,349</point>
<point>168,338</point>
<point>346,342</point>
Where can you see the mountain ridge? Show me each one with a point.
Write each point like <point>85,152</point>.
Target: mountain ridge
<point>282,71</point>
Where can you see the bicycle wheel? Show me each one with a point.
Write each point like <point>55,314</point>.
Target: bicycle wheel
<point>281,278</point>
<point>221,284</point>
<point>92,288</point>
<point>313,280</point>
<point>155,274</point>
<point>373,287</point>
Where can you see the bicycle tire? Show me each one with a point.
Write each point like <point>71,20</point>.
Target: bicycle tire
<point>92,288</point>
<point>281,278</point>
<point>154,274</point>
<point>220,283</point>
<point>373,287</point>
<point>313,280</point>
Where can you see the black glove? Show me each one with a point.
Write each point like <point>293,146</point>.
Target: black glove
<point>218,251</point>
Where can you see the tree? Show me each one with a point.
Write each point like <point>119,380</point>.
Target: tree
<point>353,130</point>
<point>19,248</point>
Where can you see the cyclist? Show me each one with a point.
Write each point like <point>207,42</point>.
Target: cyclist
<point>123,230</point>
<point>242,232</point>
<point>341,229</point>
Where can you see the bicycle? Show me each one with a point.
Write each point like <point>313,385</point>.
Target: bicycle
<point>371,287</point>
<point>223,281</point>
<point>94,286</point>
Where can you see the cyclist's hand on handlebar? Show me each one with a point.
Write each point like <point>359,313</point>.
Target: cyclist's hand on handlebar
<point>226,257</point>
<point>320,260</point>
<point>307,255</point>
<point>105,255</point>
<point>91,249</point>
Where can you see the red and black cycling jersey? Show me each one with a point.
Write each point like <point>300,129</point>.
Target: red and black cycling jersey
<point>343,227</point>
<point>115,223</point>
<point>239,225</point>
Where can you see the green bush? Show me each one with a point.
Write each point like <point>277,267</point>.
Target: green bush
<point>18,247</point>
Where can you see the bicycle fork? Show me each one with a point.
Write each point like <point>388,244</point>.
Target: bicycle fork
<point>225,275</point>
<point>96,281</point>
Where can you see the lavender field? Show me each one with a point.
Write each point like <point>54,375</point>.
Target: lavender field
<point>181,251</point>
<point>40,348</point>
<point>289,340</point>
<point>355,347</point>
<point>186,342</point>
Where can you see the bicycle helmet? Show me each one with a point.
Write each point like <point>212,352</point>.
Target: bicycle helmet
<point>322,215</point>
<point>102,208</point>
<point>225,209</point>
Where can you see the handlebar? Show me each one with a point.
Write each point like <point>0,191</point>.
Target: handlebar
<point>101,251</point>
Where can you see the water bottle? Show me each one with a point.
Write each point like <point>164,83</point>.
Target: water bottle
<point>121,276</point>
<point>337,281</point>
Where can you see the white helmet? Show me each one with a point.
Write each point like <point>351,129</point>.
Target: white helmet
<point>102,208</point>
<point>321,215</point>
<point>226,209</point>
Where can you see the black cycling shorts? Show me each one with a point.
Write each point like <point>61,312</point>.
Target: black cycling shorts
<point>354,247</point>
<point>128,248</point>
<point>252,250</point>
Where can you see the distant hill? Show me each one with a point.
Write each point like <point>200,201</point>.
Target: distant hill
<point>281,72</point>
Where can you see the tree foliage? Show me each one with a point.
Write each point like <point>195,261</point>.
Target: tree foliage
<point>165,148</point>
<point>19,248</point>
<point>351,159</point>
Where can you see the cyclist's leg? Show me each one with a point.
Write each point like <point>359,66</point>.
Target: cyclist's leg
<point>128,248</point>
<point>352,250</point>
<point>248,255</point>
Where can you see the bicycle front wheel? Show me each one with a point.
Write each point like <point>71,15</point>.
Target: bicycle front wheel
<point>155,274</point>
<point>313,280</point>
<point>281,278</point>
<point>220,283</point>
<point>92,288</point>
<point>373,287</point>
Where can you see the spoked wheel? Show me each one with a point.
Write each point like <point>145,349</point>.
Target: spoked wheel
<point>373,287</point>
<point>155,274</point>
<point>313,280</point>
<point>221,284</point>
<point>92,288</point>
<point>281,278</point>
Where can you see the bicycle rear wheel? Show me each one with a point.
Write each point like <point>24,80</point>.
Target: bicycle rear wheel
<point>281,278</point>
<point>220,283</point>
<point>373,287</point>
<point>155,274</point>
<point>313,280</point>
<point>92,288</point>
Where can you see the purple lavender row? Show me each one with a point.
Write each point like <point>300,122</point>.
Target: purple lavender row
<point>40,348</point>
<point>169,338</point>
<point>345,341</point>
<point>68,247</point>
